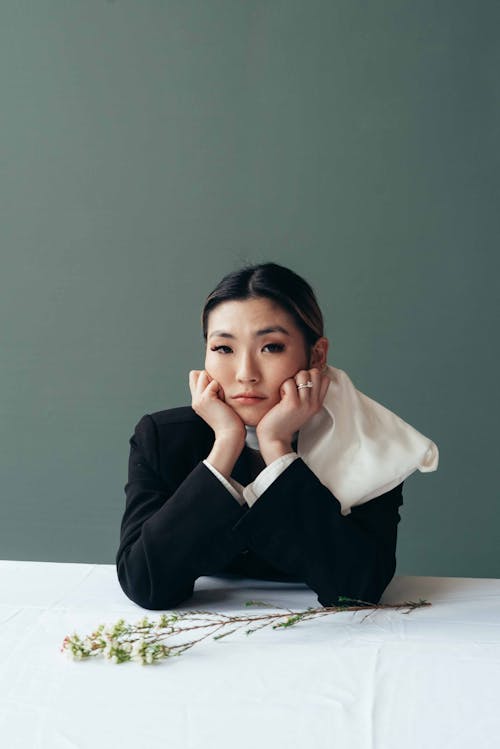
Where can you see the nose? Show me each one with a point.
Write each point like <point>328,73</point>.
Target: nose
<point>247,370</point>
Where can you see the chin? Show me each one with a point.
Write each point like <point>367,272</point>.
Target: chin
<point>248,419</point>
<point>250,416</point>
<point>251,421</point>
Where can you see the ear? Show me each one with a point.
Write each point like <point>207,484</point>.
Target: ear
<point>319,354</point>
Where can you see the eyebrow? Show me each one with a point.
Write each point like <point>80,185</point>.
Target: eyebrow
<point>264,331</point>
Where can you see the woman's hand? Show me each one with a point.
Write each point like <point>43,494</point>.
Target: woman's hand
<point>208,402</point>
<point>276,428</point>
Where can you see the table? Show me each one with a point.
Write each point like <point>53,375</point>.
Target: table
<point>429,678</point>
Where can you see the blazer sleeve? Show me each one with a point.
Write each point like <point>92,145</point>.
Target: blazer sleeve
<point>172,531</point>
<point>297,526</point>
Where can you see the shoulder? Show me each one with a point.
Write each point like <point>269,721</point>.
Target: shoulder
<point>179,415</point>
<point>173,436</point>
<point>173,421</point>
<point>172,441</point>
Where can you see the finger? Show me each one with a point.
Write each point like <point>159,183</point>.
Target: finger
<point>325,384</point>
<point>193,380</point>
<point>194,374</point>
<point>320,383</point>
<point>305,394</point>
<point>212,389</point>
<point>315,391</point>
<point>302,377</point>
<point>289,391</point>
<point>202,382</point>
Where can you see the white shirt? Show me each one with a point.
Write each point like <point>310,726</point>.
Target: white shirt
<point>249,494</point>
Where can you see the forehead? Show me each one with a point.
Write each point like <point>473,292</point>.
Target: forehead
<point>249,314</point>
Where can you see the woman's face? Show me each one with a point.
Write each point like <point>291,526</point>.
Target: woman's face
<point>253,346</point>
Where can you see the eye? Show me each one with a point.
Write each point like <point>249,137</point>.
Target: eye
<point>219,349</point>
<point>275,348</point>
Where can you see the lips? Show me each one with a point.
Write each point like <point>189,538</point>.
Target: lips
<point>248,397</point>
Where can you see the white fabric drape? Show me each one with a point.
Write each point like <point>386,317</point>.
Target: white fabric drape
<point>358,448</point>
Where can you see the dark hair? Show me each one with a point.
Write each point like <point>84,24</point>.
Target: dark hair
<point>275,282</point>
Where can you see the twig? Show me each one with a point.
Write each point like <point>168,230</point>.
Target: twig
<point>145,641</point>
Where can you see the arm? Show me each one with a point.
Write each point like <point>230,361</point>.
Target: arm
<point>297,526</point>
<point>172,531</point>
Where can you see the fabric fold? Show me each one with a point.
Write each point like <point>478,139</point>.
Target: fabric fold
<point>358,448</point>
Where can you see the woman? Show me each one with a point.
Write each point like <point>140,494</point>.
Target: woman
<point>223,486</point>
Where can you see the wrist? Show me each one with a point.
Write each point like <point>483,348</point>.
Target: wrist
<point>273,449</point>
<point>231,438</point>
<point>225,452</point>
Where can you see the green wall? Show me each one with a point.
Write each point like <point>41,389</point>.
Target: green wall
<point>147,148</point>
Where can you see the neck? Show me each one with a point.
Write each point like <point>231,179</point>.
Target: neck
<point>251,438</point>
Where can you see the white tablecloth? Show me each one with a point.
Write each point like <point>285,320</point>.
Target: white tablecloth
<point>430,678</point>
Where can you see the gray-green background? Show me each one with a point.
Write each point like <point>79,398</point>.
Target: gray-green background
<point>148,148</point>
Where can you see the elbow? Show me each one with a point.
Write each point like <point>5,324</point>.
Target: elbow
<point>378,579</point>
<point>138,585</point>
<point>379,575</point>
<point>152,602</point>
<point>367,584</point>
<point>383,569</point>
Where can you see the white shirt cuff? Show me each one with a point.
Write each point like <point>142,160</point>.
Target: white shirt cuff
<point>234,487</point>
<point>253,491</point>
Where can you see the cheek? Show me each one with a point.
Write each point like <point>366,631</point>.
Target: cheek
<point>215,366</point>
<point>286,371</point>
<point>274,389</point>
<point>209,366</point>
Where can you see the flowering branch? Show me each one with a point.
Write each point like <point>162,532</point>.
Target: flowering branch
<point>146,641</point>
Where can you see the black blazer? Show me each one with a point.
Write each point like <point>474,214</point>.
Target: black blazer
<point>180,522</point>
